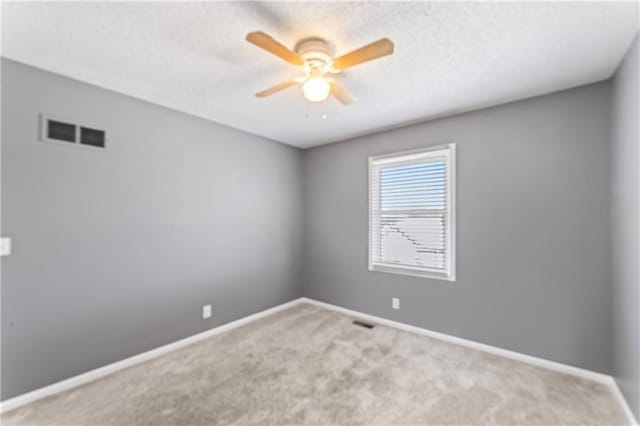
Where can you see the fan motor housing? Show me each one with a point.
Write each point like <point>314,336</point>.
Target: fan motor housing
<point>315,51</point>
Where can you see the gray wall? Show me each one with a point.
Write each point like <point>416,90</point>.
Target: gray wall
<point>533,184</point>
<point>116,251</point>
<point>625,227</point>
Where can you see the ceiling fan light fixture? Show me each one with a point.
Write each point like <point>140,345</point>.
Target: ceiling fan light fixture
<point>316,89</point>
<point>314,57</point>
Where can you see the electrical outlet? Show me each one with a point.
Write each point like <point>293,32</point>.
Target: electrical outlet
<point>395,303</point>
<point>206,311</point>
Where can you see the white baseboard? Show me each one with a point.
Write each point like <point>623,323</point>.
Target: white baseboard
<point>517,356</point>
<point>92,375</point>
<point>98,373</point>
<point>551,365</point>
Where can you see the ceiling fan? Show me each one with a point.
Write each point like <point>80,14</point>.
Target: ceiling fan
<point>313,56</point>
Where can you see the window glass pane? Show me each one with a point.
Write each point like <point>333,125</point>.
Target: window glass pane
<point>413,186</point>
<point>413,240</point>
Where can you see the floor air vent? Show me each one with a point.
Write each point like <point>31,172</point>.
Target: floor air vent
<point>363,324</point>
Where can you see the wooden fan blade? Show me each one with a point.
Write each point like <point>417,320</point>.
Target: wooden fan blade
<point>267,43</point>
<point>338,92</point>
<point>377,49</point>
<point>275,89</point>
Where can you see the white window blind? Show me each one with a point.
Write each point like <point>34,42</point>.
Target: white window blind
<point>411,213</point>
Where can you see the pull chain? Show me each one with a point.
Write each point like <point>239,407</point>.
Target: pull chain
<point>323,109</point>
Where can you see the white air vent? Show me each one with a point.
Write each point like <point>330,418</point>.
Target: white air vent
<point>66,131</point>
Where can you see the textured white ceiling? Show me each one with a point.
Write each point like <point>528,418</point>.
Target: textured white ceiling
<point>450,57</point>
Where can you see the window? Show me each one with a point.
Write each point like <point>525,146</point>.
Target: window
<point>411,213</point>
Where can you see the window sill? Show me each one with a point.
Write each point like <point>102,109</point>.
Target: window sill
<point>413,272</point>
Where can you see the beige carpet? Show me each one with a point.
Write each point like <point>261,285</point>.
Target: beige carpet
<point>307,365</point>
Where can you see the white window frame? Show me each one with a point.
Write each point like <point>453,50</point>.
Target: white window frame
<point>449,274</point>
